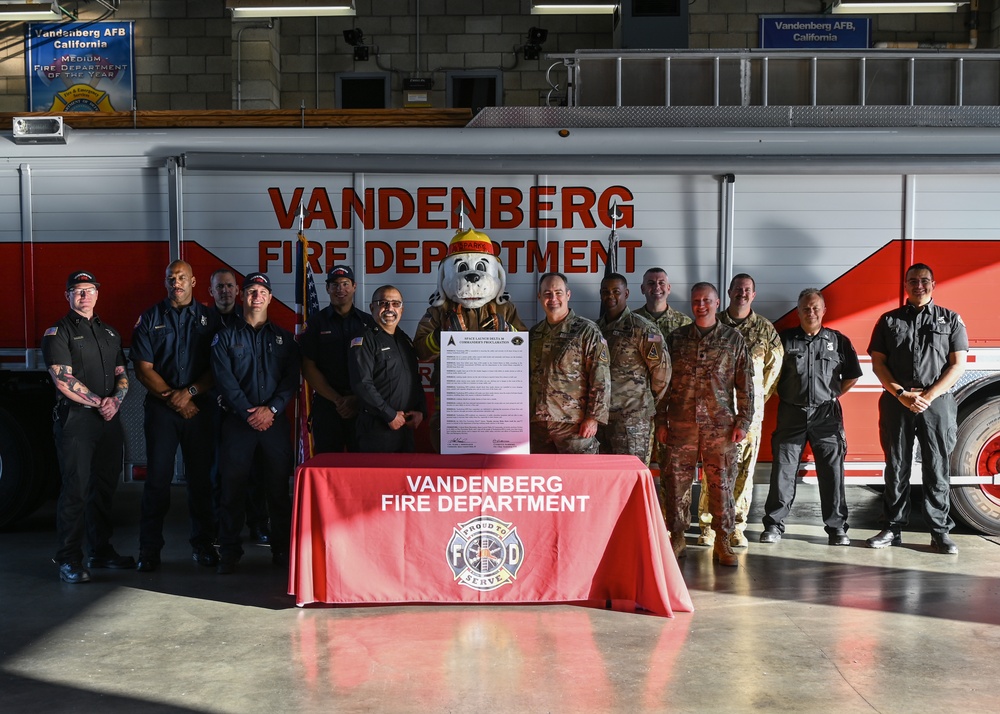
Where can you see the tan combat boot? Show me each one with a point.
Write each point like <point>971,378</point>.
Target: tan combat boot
<point>724,552</point>
<point>707,537</point>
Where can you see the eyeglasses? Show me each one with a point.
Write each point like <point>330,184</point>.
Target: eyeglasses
<point>83,292</point>
<point>394,304</point>
<point>919,281</point>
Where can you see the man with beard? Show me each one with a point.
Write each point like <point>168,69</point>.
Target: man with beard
<point>326,346</point>
<point>171,351</point>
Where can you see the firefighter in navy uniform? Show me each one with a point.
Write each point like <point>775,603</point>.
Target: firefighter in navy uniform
<point>386,379</point>
<point>171,351</point>
<point>85,360</point>
<point>256,365</point>
<point>223,290</point>
<point>326,347</point>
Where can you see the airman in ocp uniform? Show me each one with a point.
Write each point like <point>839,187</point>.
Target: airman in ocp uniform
<point>640,372</point>
<point>766,354</point>
<point>570,383</point>
<point>656,289</point>
<point>708,408</point>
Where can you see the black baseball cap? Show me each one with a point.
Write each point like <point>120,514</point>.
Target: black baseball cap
<point>81,276</point>
<point>340,271</point>
<point>257,279</point>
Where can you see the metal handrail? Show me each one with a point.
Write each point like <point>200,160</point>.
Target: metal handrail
<point>673,60</point>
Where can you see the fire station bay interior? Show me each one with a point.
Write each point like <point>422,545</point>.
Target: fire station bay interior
<point>809,144</point>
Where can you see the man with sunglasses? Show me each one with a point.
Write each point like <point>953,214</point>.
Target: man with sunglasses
<point>386,379</point>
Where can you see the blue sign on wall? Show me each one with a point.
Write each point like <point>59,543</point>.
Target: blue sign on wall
<point>811,32</point>
<point>80,67</point>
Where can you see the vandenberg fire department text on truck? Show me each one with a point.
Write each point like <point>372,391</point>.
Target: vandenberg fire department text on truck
<point>844,210</point>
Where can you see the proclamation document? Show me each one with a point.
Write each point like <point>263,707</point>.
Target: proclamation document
<point>484,393</point>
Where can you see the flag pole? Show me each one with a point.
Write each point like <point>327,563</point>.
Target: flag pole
<point>303,400</point>
<point>611,261</point>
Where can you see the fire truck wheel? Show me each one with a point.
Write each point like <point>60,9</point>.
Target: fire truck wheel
<point>978,452</point>
<point>20,491</point>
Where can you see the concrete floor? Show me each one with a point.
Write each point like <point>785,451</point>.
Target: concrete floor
<point>798,627</point>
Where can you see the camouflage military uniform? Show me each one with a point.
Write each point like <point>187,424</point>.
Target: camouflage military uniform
<point>668,321</point>
<point>454,317</point>
<point>569,383</point>
<point>640,373</point>
<point>766,354</point>
<point>701,415</point>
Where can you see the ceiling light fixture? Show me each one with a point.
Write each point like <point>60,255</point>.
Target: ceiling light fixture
<point>29,11</point>
<point>860,7</point>
<point>256,9</point>
<point>573,7</point>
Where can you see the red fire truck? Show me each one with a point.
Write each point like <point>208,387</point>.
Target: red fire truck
<point>845,210</point>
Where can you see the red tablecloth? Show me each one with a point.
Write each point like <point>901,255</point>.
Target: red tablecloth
<point>380,528</point>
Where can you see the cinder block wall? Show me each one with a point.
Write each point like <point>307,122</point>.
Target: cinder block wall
<point>426,39</point>
<point>733,24</point>
<point>191,55</point>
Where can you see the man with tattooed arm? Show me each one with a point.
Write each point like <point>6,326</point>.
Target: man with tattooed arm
<point>85,360</point>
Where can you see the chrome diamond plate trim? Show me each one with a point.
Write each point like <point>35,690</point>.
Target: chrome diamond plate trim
<point>736,117</point>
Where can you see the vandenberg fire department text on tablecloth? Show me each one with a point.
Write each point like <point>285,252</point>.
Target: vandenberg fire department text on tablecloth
<point>484,393</point>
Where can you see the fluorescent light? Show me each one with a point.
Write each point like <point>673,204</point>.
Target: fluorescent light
<point>29,10</point>
<point>247,9</point>
<point>878,8</point>
<point>573,7</point>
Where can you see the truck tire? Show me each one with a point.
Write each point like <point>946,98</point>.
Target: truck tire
<point>977,452</point>
<point>21,491</point>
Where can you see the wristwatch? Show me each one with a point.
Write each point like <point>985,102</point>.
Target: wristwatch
<point>273,410</point>
<point>899,392</point>
<point>193,390</point>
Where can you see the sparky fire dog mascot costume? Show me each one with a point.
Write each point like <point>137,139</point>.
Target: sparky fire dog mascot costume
<point>471,297</point>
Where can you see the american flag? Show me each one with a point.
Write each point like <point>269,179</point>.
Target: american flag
<point>306,305</point>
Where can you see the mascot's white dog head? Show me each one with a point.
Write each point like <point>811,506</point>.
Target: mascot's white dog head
<point>471,274</point>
